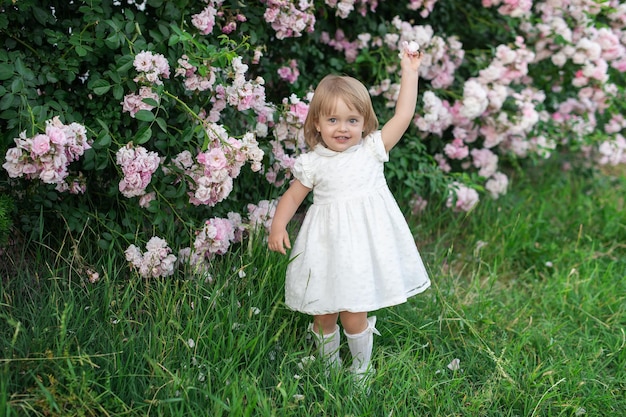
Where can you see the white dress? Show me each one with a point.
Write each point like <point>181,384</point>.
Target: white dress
<point>354,251</point>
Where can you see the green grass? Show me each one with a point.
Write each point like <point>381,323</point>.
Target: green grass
<point>529,293</point>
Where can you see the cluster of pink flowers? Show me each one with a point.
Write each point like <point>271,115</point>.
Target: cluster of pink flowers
<point>205,21</point>
<point>289,73</point>
<point>241,94</point>
<point>483,100</point>
<point>215,237</point>
<point>289,19</point>
<point>151,68</point>
<point>156,261</point>
<point>345,7</point>
<point>569,37</point>
<point>138,165</point>
<point>435,116</point>
<point>426,5</point>
<point>513,8</point>
<point>245,94</point>
<point>417,204</point>
<point>612,152</point>
<point>442,56</point>
<point>47,156</point>
<point>260,215</point>
<point>210,174</point>
<point>349,48</point>
<point>288,139</point>
<point>134,102</point>
<point>461,197</point>
<point>193,80</point>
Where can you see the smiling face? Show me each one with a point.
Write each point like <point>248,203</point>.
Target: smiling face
<point>342,128</point>
<point>339,99</point>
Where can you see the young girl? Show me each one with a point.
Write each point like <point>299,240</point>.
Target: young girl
<point>354,252</point>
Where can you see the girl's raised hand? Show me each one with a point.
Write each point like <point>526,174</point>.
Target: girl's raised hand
<point>410,56</point>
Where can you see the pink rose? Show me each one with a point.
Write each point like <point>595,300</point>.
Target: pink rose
<point>40,145</point>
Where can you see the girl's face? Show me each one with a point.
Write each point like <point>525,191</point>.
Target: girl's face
<point>342,129</point>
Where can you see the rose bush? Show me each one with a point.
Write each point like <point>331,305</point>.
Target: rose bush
<point>180,121</point>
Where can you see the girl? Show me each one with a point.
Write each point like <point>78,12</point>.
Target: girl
<point>354,252</point>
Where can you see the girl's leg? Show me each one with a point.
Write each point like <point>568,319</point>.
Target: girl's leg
<point>325,323</point>
<point>327,337</point>
<point>359,329</point>
<point>353,323</point>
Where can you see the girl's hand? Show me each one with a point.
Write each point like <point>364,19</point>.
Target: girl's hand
<point>410,56</point>
<point>278,240</point>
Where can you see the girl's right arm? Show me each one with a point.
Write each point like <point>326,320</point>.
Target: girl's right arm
<point>287,206</point>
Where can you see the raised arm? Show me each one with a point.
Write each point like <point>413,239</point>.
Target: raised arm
<point>287,206</point>
<point>393,130</point>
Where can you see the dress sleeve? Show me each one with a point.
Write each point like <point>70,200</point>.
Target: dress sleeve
<point>302,170</point>
<point>374,143</point>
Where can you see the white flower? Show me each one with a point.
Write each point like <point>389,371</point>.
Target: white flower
<point>410,48</point>
<point>455,365</point>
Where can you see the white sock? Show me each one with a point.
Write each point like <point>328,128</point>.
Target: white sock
<point>361,346</point>
<point>328,346</point>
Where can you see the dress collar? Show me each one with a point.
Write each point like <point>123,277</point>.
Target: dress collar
<point>324,151</point>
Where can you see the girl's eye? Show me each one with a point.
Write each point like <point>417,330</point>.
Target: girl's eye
<point>332,120</point>
<point>353,121</point>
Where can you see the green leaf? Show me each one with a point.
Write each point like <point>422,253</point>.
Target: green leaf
<point>173,40</point>
<point>81,51</point>
<point>170,192</point>
<point>6,71</point>
<point>125,63</point>
<point>143,135</point>
<point>102,161</point>
<point>19,66</point>
<point>103,141</point>
<point>150,101</point>
<point>162,124</point>
<point>6,101</point>
<point>103,124</point>
<point>100,86</point>
<point>144,115</point>
<point>118,92</point>
<point>113,41</point>
<point>41,15</point>
<point>17,85</point>
<point>8,115</point>
<point>104,244</point>
<point>51,77</point>
<point>161,145</point>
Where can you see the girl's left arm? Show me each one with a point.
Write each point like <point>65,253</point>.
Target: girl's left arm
<point>393,130</point>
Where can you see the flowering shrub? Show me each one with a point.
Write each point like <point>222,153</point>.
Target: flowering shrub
<point>188,118</point>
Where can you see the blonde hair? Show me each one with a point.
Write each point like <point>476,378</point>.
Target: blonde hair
<point>328,91</point>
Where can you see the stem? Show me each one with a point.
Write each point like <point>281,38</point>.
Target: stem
<point>79,37</point>
<point>27,46</point>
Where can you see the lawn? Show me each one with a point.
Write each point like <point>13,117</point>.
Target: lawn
<point>526,317</point>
